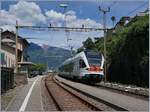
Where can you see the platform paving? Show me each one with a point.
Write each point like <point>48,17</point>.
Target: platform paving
<point>34,102</point>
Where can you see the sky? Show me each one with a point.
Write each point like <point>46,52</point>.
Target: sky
<point>44,12</point>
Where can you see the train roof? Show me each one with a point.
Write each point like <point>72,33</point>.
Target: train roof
<point>81,54</point>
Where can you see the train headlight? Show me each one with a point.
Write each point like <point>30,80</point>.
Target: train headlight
<point>95,69</point>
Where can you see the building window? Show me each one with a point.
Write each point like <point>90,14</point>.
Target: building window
<point>6,61</point>
<point>8,37</point>
<point>9,62</point>
<point>13,63</point>
<point>2,59</point>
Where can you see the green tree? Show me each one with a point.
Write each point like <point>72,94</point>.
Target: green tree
<point>113,18</point>
<point>80,49</point>
<point>129,56</point>
<point>41,67</point>
<point>88,44</point>
<point>127,52</point>
<point>38,67</point>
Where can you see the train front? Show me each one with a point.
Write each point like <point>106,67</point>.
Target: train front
<point>94,72</point>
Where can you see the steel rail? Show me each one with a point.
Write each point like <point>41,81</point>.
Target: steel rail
<point>93,107</point>
<point>118,108</point>
<point>54,100</point>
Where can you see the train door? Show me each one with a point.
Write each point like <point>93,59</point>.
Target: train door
<point>82,67</point>
<point>76,68</point>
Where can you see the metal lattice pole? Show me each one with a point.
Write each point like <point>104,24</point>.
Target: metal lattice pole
<point>105,50</point>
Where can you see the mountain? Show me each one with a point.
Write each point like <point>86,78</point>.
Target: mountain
<point>53,56</point>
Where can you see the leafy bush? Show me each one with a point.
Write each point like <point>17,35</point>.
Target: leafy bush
<point>127,53</point>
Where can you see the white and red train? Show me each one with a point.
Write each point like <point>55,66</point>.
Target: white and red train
<point>86,66</point>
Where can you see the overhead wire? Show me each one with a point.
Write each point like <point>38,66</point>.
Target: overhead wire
<point>111,5</point>
<point>137,8</point>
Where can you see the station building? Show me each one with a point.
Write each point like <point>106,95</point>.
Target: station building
<point>8,52</point>
<point>8,47</point>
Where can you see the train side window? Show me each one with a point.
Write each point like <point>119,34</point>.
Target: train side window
<point>82,64</point>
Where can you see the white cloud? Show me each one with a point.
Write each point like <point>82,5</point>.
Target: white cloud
<point>59,17</point>
<point>8,27</point>
<point>29,13</point>
<point>71,19</point>
<point>71,12</point>
<point>26,13</point>
<point>6,18</point>
<point>86,22</point>
<point>53,15</point>
<point>7,21</point>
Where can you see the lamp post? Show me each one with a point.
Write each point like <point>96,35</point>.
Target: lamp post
<point>16,69</point>
<point>64,6</point>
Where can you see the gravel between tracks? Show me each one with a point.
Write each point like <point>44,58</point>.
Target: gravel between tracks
<point>48,103</point>
<point>127,89</point>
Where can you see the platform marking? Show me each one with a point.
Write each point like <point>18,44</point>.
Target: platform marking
<point>24,104</point>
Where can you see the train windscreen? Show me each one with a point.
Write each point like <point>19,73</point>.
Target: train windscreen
<point>94,58</point>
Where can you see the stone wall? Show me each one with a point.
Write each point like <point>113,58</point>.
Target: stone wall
<point>20,79</point>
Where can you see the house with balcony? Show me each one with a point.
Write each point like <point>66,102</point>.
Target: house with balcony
<point>8,52</point>
<point>8,61</point>
<point>126,21</point>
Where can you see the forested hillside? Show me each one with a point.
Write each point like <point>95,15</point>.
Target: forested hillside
<point>53,56</point>
<point>127,52</point>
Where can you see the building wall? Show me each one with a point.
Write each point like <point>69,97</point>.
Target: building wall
<point>8,51</point>
<point>20,46</point>
<point>7,58</point>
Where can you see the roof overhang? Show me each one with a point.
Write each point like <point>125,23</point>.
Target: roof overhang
<point>7,41</point>
<point>26,63</point>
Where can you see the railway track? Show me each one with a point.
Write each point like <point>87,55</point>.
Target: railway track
<point>109,99</point>
<point>64,99</point>
<point>102,104</point>
<point>136,94</point>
